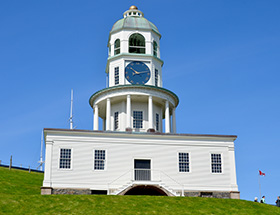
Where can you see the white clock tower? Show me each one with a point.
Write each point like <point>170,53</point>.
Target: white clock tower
<point>134,99</point>
<point>138,152</point>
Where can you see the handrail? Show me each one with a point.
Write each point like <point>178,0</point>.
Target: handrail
<point>151,179</point>
<point>182,193</point>
<point>119,177</point>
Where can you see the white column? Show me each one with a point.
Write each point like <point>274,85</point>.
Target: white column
<point>150,112</point>
<point>108,115</point>
<point>128,112</point>
<point>167,117</point>
<point>48,164</point>
<point>95,118</point>
<point>174,120</point>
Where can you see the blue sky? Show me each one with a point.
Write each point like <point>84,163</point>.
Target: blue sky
<point>220,57</point>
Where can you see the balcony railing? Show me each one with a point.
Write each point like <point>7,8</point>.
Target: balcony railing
<point>142,174</point>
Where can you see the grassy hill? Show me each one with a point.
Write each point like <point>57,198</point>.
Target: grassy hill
<point>20,194</point>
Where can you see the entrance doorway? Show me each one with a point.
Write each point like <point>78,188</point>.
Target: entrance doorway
<point>142,170</point>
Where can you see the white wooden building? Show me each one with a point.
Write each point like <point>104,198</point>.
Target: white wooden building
<point>134,153</point>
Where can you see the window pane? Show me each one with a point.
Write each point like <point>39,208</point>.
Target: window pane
<point>65,159</point>
<point>157,121</point>
<point>116,75</point>
<point>137,44</point>
<point>137,119</point>
<point>156,77</point>
<point>117,47</point>
<point>216,163</point>
<point>183,162</point>
<point>99,159</point>
<point>116,120</point>
<point>155,48</point>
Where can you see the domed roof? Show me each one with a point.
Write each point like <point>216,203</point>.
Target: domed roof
<point>134,19</point>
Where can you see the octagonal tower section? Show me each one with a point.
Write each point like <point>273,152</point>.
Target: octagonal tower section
<point>134,99</point>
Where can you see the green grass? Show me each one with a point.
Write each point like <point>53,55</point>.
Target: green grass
<point>20,194</point>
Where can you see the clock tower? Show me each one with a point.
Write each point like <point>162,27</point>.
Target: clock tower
<point>135,99</point>
<point>138,152</point>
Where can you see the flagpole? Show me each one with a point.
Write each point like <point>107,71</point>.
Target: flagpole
<point>260,185</point>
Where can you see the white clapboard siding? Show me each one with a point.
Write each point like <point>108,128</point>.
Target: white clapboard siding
<point>122,149</point>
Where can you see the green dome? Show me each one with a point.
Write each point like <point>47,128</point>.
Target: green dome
<point>134,22</point>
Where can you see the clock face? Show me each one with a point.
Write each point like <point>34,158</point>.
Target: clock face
<point>137,72</point>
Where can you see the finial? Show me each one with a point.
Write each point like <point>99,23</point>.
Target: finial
<point>133,7</point>
<point>133,11</point>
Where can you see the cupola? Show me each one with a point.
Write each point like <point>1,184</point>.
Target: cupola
<point>134,99</point>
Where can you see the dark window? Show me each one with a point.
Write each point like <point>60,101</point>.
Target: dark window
<point>184,164</point>
<point>137,44</point>
<point>155,48</point>
<point>65,159</point>
<point>137,119</point>
<point>206,194</point>
<point>156,77</point>
<point>116,120</point>
<point>117,47</point>
<point>98,192</point>
<point>157,121</point>
<point>216,161</point>
<point>116,75</point>
<point>142,170</point>
<point>99,159</point>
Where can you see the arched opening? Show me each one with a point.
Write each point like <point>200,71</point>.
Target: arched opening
<point>147,190</point>
<point>137,44</point>
<point>155,48</point>
<point>117,47</point>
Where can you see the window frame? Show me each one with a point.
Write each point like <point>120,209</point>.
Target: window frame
<point>105,160</point>
<point>157,122</point>
<point>116,120</point>
<point>117,75</point>
<point>71,159</point>
<point>188,163</point>
<point>155,49</point>
<point>142,120</point>
<point>117,49</point>
<point>156,77</point>
<point>137,47</point>
<point>211,170</point>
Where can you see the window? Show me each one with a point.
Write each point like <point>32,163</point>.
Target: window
<point>116,75</point>
<point>137,44</point>
<point>65,159</point>
<point>116,120</point>
<point>137,119</point>
<point>216,162</point>
<point>117,47</point>
<point>157,121</point>
<point>99,159</point>
<point>156,77</point>
<point>184,164</point>
<point>155,48</point>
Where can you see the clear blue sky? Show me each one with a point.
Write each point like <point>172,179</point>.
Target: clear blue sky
<point>220,57</point>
